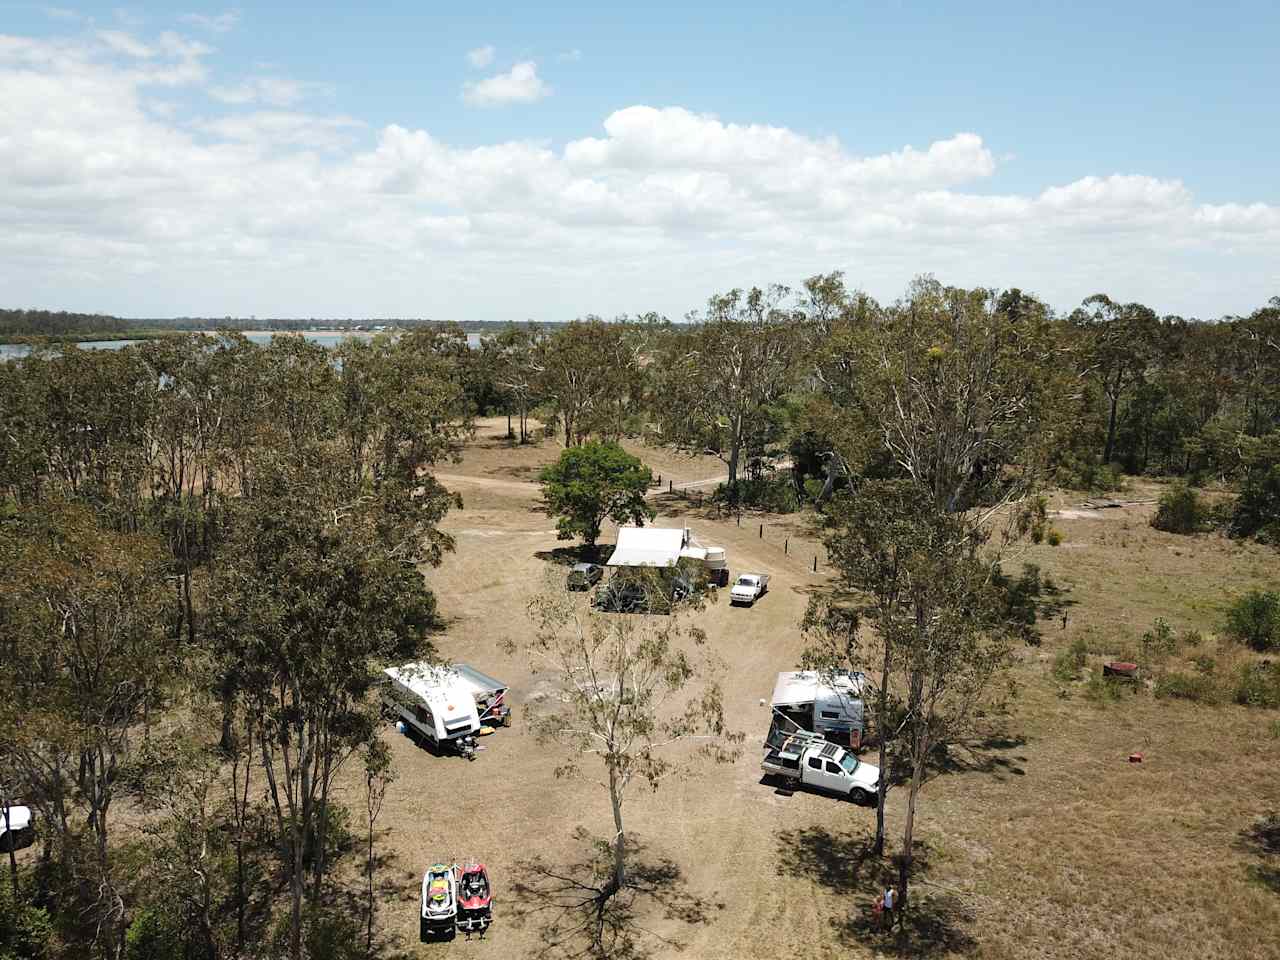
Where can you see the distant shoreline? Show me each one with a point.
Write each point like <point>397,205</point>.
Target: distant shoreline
<point>39,339</point>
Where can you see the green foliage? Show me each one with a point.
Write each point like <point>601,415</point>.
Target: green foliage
<point>26,932</point>
<point>1102,689</point>
<point>1254,620</point>
<point>1068,663</point>
<point>1197,687</point>
<point>1159,643</point>
<point>1030,597</point>
<point>594,482</point>
<point>1054,537</point>
<point>1258,685</point>
<point>771,494</point>
<point>1180,511</point>
<point>1257,509</point>
<point>153,935</point>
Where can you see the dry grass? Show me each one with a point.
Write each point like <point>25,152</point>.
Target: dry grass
<point>1041,841</point>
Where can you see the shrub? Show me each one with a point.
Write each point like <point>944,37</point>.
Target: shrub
<point>151,936</point>
<point>772,494</point>
<point>1068,663</point>
<point>25,931</point>
<point>1054,537</point>
<point>1199,688</point>
<point>1104,689</point>
<point>1180,510</point>
<point>1258,685</point>
<point>1205,664</point>
<point>1254,620</point>
<point>1158,643</point>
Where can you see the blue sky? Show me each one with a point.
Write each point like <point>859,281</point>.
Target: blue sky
<point>1128,148</point>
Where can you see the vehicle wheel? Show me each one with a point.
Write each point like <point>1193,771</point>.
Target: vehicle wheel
<point>424,933</point>
<point>859,796</point>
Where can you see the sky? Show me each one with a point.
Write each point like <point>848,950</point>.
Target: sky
<point>547,161</point>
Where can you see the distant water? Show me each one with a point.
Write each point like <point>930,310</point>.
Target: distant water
<point>8,351</point>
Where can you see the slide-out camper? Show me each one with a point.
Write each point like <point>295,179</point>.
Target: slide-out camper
<point>826,704</point>
<point>444,705</point>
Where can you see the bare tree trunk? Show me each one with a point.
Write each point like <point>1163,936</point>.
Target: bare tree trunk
<point>882,726</point>
<point>904,861</point>
<point>240,805</point>
<point>13,863</point>
<point>619,838</point>
<point>322,832</point>
<point>368,947</point>
<point>1111,428</point>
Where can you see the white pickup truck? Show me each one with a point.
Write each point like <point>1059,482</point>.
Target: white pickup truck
<point>809,759</point>
<point>749,587</point>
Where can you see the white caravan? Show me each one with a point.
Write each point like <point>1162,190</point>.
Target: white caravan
<point>434,703</point>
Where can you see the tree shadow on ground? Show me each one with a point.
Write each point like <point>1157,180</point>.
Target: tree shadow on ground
<point>566,903</point>
<point>678,505</point>
<point>1262,839</point>
<point>845,864</point>
<point>935,924</point>
<point>568,556</point>
<point>990,754</point>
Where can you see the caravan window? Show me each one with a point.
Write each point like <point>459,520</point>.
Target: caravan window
<point>423,715</point>
<point>830,715</point>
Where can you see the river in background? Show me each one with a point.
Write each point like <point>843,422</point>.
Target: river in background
<point>8,351</point>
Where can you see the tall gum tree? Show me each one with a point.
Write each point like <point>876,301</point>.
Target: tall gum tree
<point>637,699</point>
<point>716,376</point>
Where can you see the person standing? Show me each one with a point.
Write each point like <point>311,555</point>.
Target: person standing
<point>890,904</point>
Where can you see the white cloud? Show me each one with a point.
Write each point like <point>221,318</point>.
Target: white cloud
<point>62,13</point>
<point>123,42</point>
<point>218,23</point>
<point>520,84</point>
<point>275,128</point>
<point>480,56</point>
<point>283,211</point>
<point>276,91</point>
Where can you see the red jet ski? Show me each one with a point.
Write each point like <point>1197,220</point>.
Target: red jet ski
<point>475,899</point>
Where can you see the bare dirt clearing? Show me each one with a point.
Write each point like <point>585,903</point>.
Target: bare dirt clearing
<point>1039,842</point>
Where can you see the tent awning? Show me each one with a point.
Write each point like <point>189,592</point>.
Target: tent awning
<point>647,547</point>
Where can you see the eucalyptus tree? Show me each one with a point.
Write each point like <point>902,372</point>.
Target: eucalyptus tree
<point>517,373</point>
<point>88,662</point>
<point>1118,338</point>
<point>629,691</point>
<point>717,376</point>
<point>587,372</point>
<point>310,597</point>
<point>963,396</point>
<point>403,404</point>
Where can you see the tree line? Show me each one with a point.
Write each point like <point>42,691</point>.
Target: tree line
<point>208,548</point>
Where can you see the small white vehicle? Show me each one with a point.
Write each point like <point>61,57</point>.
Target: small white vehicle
<point>17,834</point>
<point>809,759</point>
<point>748,588</point>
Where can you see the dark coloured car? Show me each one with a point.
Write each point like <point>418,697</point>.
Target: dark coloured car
<point>584,575</point>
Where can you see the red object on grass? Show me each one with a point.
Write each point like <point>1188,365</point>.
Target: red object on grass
<point>1135,758</point>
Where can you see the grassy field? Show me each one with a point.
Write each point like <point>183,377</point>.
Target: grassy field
<point>1039,841</point>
